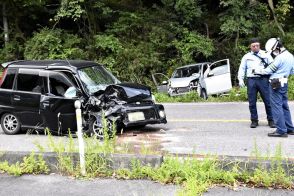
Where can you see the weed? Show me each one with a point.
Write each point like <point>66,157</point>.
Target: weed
<point>31,165</point>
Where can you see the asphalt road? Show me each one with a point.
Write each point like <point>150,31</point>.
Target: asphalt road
<point>201,128</point>
<point>56,185</point>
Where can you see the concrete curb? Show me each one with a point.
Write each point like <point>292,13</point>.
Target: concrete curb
<point>116,161</point>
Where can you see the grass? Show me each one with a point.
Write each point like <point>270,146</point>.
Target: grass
<point>236,94</point>
<point>33,164</point>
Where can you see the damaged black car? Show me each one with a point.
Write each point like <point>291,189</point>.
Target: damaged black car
<point>41,94</point>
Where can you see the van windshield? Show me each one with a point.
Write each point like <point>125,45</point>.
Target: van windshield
<point>186,71</point>
<point>96,78</point>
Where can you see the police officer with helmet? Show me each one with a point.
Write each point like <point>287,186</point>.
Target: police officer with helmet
<point>279,69</point>
<point>256,59</point>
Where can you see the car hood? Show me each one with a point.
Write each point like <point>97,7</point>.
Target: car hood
<point>128,92</point>
<point>181,82</point>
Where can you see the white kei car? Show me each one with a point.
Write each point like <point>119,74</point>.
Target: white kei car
<point>206,78</point>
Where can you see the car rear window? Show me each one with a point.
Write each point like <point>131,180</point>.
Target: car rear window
<point>8,79</point>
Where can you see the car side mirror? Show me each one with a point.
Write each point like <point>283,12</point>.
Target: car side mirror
<point>72,92</point>
<point>197,75</point>
<point>210,74</point>
<point>164,83</point>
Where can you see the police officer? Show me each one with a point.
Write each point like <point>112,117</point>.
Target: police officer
<point>280,69</point>
<point>255,59</point>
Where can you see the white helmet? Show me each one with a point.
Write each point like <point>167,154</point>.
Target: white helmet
<point>272,44</point>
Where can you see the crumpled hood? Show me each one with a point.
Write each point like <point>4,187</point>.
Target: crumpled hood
<point>181,82</point>
<point>128,92</point>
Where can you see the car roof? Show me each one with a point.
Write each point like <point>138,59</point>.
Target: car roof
<point>50,64</point>
<point>191,65</point>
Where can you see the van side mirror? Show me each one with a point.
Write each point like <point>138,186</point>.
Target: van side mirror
<point>164,82</point>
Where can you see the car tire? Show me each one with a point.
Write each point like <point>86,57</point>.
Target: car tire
<point>137,127</point>
<point>10,124</point>
<point>96,128</point>
<point>203,94</point>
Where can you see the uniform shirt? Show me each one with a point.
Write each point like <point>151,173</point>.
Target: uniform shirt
<point>250,62</point>
<point>282,66</point>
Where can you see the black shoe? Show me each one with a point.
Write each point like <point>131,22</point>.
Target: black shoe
<point>290,132</point>
<point>254,123</point>
<point>271,124</point>
<point>276,134</point>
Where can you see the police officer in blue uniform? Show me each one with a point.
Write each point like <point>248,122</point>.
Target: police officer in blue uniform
<point>280,69</point>
<point>256,59</point>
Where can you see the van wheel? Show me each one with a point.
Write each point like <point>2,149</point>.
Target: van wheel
<point>10,124</point>
<point>203,94</point>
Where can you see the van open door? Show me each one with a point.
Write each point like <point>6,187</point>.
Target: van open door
<point>217,78</point>
<point>161,82</point>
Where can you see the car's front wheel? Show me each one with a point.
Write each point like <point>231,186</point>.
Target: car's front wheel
<point>10,124</point>
<point>97,129</point>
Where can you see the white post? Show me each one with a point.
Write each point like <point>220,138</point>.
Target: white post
<point>80,136</point>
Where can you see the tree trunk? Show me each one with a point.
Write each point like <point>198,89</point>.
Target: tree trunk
<point>271,5</point>
<point>237,39</point>
<point>5,24</point>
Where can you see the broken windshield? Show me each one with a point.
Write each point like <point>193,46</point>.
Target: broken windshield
<point>96,78</point>
<point>186,71</point>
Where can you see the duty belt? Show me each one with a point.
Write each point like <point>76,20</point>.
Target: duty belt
<point>283,81</point>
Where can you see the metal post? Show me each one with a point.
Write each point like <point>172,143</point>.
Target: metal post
<point>80,137</point>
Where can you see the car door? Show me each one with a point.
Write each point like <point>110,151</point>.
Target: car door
<point>217,78</point>
<point>57,104</point>
<point>6,91</point>
<point>161,82</point>
<point>26,97</point>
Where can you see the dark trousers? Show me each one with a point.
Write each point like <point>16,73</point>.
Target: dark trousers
<point>261,85</point>
<point>281,111</point>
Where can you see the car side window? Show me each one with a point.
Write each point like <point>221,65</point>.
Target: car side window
<point>219,69</point>
<point>30,82</point>
<point>60,85</point>
<point>8,79</point>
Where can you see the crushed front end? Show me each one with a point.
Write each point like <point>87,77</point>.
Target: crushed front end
<point>126,104</point>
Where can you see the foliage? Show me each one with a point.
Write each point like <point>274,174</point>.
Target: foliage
<point>10,52</point>
<point>70,9</point>
<point>33,164</point>
<point>54,44</point>
<point>137,38</point>
<point>191,45</point>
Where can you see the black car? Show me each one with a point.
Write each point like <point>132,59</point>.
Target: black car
<point>41,94</point>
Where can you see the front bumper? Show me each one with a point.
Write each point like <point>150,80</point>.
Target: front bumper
<point>181,90</point>
<point>137,115</point>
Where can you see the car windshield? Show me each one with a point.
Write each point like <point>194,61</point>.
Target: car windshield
<point>96,78</point>
<point>185,71</point>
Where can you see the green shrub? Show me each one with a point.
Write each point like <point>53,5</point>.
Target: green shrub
<point>54,44</point>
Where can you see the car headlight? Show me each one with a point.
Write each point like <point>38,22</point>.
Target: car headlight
<point>193,83</point>
<point>162,114</point>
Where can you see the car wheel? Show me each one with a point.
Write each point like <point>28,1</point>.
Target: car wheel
<point>10,124</point>
<point>203,94</point>
<point>96,128</point>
